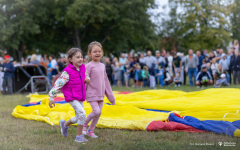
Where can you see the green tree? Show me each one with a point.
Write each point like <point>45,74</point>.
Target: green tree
<point>17,21</point>
<point>53,26</point>
<point>235,20</point>
<point>199,24</point>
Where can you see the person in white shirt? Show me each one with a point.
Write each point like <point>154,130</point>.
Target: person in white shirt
<point>224,63</point>
<point>170,62</point>
<point>142,58</point>
<point>236,45</point>
<point>214,68</point>
<point>1,74</point>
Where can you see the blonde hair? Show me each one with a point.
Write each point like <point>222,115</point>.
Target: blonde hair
<point>33,57</point>
<point>90,47</point>
<point>235,42</point>
<point>71,53</point>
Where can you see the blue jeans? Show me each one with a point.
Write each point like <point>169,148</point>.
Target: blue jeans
<point>7,83</point>
<point>161,82</point>
<point>192,72</point>
<point>114,81</point>
<point>156,77</point>
<point>145,82</point>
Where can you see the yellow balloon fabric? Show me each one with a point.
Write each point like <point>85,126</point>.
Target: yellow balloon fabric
<point>121,117</point>
<point>130,113</point>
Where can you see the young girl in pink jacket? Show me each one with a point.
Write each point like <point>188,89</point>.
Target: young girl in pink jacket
<point>97,88</point>
<point>72,82</point>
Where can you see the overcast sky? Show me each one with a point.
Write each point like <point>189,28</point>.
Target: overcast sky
<point>164,11</point>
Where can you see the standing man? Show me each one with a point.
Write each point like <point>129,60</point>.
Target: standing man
<point>151,62</point>
<point>236,67</point>
<point>149,59</point>
<point>229,56</point>
<point>177,64</point>
<point>191,63</point>
<point>200,58</point>
<point>170,62</point>
<point>8,69</point>
<point>164,55</point>
<point>122,63</point>
<point>159,62</point>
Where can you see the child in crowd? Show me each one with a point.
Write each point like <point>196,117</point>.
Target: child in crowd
<point>160,75</point>
<point>126,74</point>
<point>132,69</point>
<point>72,84</point>
<point>214,68</point>
<point>8,70</point>
<point>152,76</point>
<point>145,75</point>
<point>117,74</point>
<point>177,80</point>
<point>221,77</point>
<point>97,88</point>
<point>167,78</point>
<point>138,76</point>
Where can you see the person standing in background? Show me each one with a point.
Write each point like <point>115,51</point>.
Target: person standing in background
<point>61,64</point>
<point>214,68</point>
<point>151,63</point>
<point>200,58</point>
<point>142,58</point>
<point>165,59</point>
<point>191,63</point>
<point>52,69</point>
<point>229,55</point>
<point>236,45</point>
<point>34,60</point>
<point>109,70</point>
<point>122,63</point>
<point>170,61</point>
<point>149,59</point>
<point>1,74</point>
<point>236,67</point>
<point>159,62</point>
<point>8,69</point>
<point>177,64</point>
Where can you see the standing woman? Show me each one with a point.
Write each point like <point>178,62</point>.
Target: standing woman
<point>214,68</point>
<point>236,67</point>
<point>236,45</point>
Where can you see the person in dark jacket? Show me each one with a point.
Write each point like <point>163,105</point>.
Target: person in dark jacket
<point>109,70</point>
<point>8,69</point>
<point>235,66</point>
<point>204,77</point>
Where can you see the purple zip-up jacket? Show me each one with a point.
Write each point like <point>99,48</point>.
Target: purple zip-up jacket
<point>75,89</point>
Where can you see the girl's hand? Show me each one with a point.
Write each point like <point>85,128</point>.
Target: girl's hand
<point>113,103</point>
<point>51,103</point>
<point>87,80</point>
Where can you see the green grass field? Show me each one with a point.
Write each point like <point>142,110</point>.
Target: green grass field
<point>16,134</point>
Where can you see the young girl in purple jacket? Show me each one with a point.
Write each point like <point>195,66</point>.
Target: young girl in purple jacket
<point>72,82</point>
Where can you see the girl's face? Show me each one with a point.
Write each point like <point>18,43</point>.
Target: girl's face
<point>77,59</point>
<point>96,53</point>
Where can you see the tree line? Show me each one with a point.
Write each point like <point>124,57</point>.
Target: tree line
<point>52,26</point>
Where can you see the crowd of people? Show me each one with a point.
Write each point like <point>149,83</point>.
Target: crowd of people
<point>203,68</point>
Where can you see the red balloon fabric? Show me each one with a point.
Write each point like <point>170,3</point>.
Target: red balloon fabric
<point>171,126</point>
